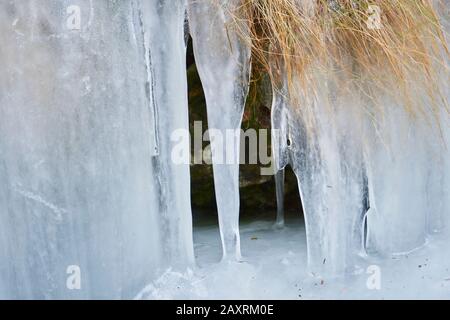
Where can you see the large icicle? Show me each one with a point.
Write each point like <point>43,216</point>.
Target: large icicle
<point>223,64</point>
<point>406,157</point>
<point>444,11</point>
<point>164,20</point>
<point>79,111</point>
<point>315,138</point>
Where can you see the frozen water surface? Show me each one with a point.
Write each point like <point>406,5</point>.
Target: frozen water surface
<point>275,268</point>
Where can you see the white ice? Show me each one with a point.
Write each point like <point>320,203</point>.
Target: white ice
<point>85,119</point>
<point>223,64</point>
<point>314,137</point>
<point>88,179</point>
<point>275,269</point>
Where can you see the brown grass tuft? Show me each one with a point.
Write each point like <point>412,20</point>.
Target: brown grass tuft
<point>403,59</point>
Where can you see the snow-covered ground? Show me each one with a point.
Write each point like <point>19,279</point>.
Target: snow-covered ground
<point>274,267</point>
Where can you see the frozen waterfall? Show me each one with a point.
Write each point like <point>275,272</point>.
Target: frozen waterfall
<point>89,97</point>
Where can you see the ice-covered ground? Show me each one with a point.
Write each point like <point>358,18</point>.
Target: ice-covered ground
<point>274,267</point>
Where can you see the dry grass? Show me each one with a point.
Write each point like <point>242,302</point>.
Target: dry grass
<point>301,38</point>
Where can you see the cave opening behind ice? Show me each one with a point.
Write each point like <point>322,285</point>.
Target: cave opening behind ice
<point>258,202</point>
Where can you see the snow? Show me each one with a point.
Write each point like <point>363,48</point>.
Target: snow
<point>274,267</point>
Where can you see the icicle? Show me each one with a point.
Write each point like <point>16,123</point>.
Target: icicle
<point>279,186</point>
<point>165,21</point>
<point>280,146</point>
<point>80,198</point>
<point>223,64</point>
<point>396,163</point>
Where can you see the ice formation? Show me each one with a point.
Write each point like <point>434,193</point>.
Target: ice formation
<point>223,64</point>
<point>445,125</point>
<point>325,154</point>
<point>90,95</point>
<point>407,166</point>
<point>86,111</point>
<point>366,185</point>
<point>397,170</point>
<point>370,181</point>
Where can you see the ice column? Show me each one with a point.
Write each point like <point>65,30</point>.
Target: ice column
<point>90,203</point>
<point>397,165</point>
<point>444,11</point>
<point>223,64</point>
<point>407,164</point>
<point>319,138</point>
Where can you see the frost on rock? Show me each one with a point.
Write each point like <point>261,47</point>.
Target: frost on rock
<point>83,110</point>
<point>223,64</point>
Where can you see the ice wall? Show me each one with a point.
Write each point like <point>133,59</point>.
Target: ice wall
<point>165,22</point>
<point>86,111</point>
<point>359,163</point>
<point>444,11</point>
<point>223,64</point>
<point>280,140</point>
